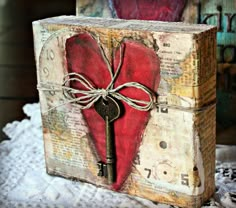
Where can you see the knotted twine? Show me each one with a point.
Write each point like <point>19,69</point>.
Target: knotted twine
<point>91,95</point>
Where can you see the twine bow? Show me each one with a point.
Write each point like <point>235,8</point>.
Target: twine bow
<point>90,95</point>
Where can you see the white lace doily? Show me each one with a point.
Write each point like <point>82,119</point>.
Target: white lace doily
<point>24,182</point>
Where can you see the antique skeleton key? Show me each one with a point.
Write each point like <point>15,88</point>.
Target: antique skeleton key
<point>109,110</point>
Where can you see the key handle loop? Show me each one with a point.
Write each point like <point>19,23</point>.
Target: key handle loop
<point>108,107</point>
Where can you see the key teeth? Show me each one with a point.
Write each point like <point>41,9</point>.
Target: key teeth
<point>102,169</point>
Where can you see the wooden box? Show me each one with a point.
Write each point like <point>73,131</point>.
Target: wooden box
<point>165,153</point>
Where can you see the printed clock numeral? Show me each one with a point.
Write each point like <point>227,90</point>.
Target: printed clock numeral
<point>52,92</point>
<point>184,179</point>
<point>60,42</point>
<point>50,54</point>
<point>46,71</point>
<point>148,172</point>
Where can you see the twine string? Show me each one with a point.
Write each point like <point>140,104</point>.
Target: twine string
<point>87,97</point>
<point>90,95</point>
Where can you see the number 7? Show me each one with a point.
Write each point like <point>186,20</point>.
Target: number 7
<point>149,172</point>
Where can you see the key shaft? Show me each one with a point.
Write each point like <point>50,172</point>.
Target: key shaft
<point>110,152</point>
<point>109,110</point>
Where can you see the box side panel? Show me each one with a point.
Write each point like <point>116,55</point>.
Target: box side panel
<point>205,136</point>
<point>188,69</point>
<point>208,67</point>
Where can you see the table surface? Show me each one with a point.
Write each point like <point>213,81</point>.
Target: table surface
<point>24,182</point>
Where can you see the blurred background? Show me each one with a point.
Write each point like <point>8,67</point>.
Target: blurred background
<point>17,65</point>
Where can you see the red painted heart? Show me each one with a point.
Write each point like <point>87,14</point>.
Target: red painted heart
<point>140,64</point>
<point>161,10</point>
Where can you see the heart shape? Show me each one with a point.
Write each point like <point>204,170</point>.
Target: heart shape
<point>140,64</point>
<point>161,10</point>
